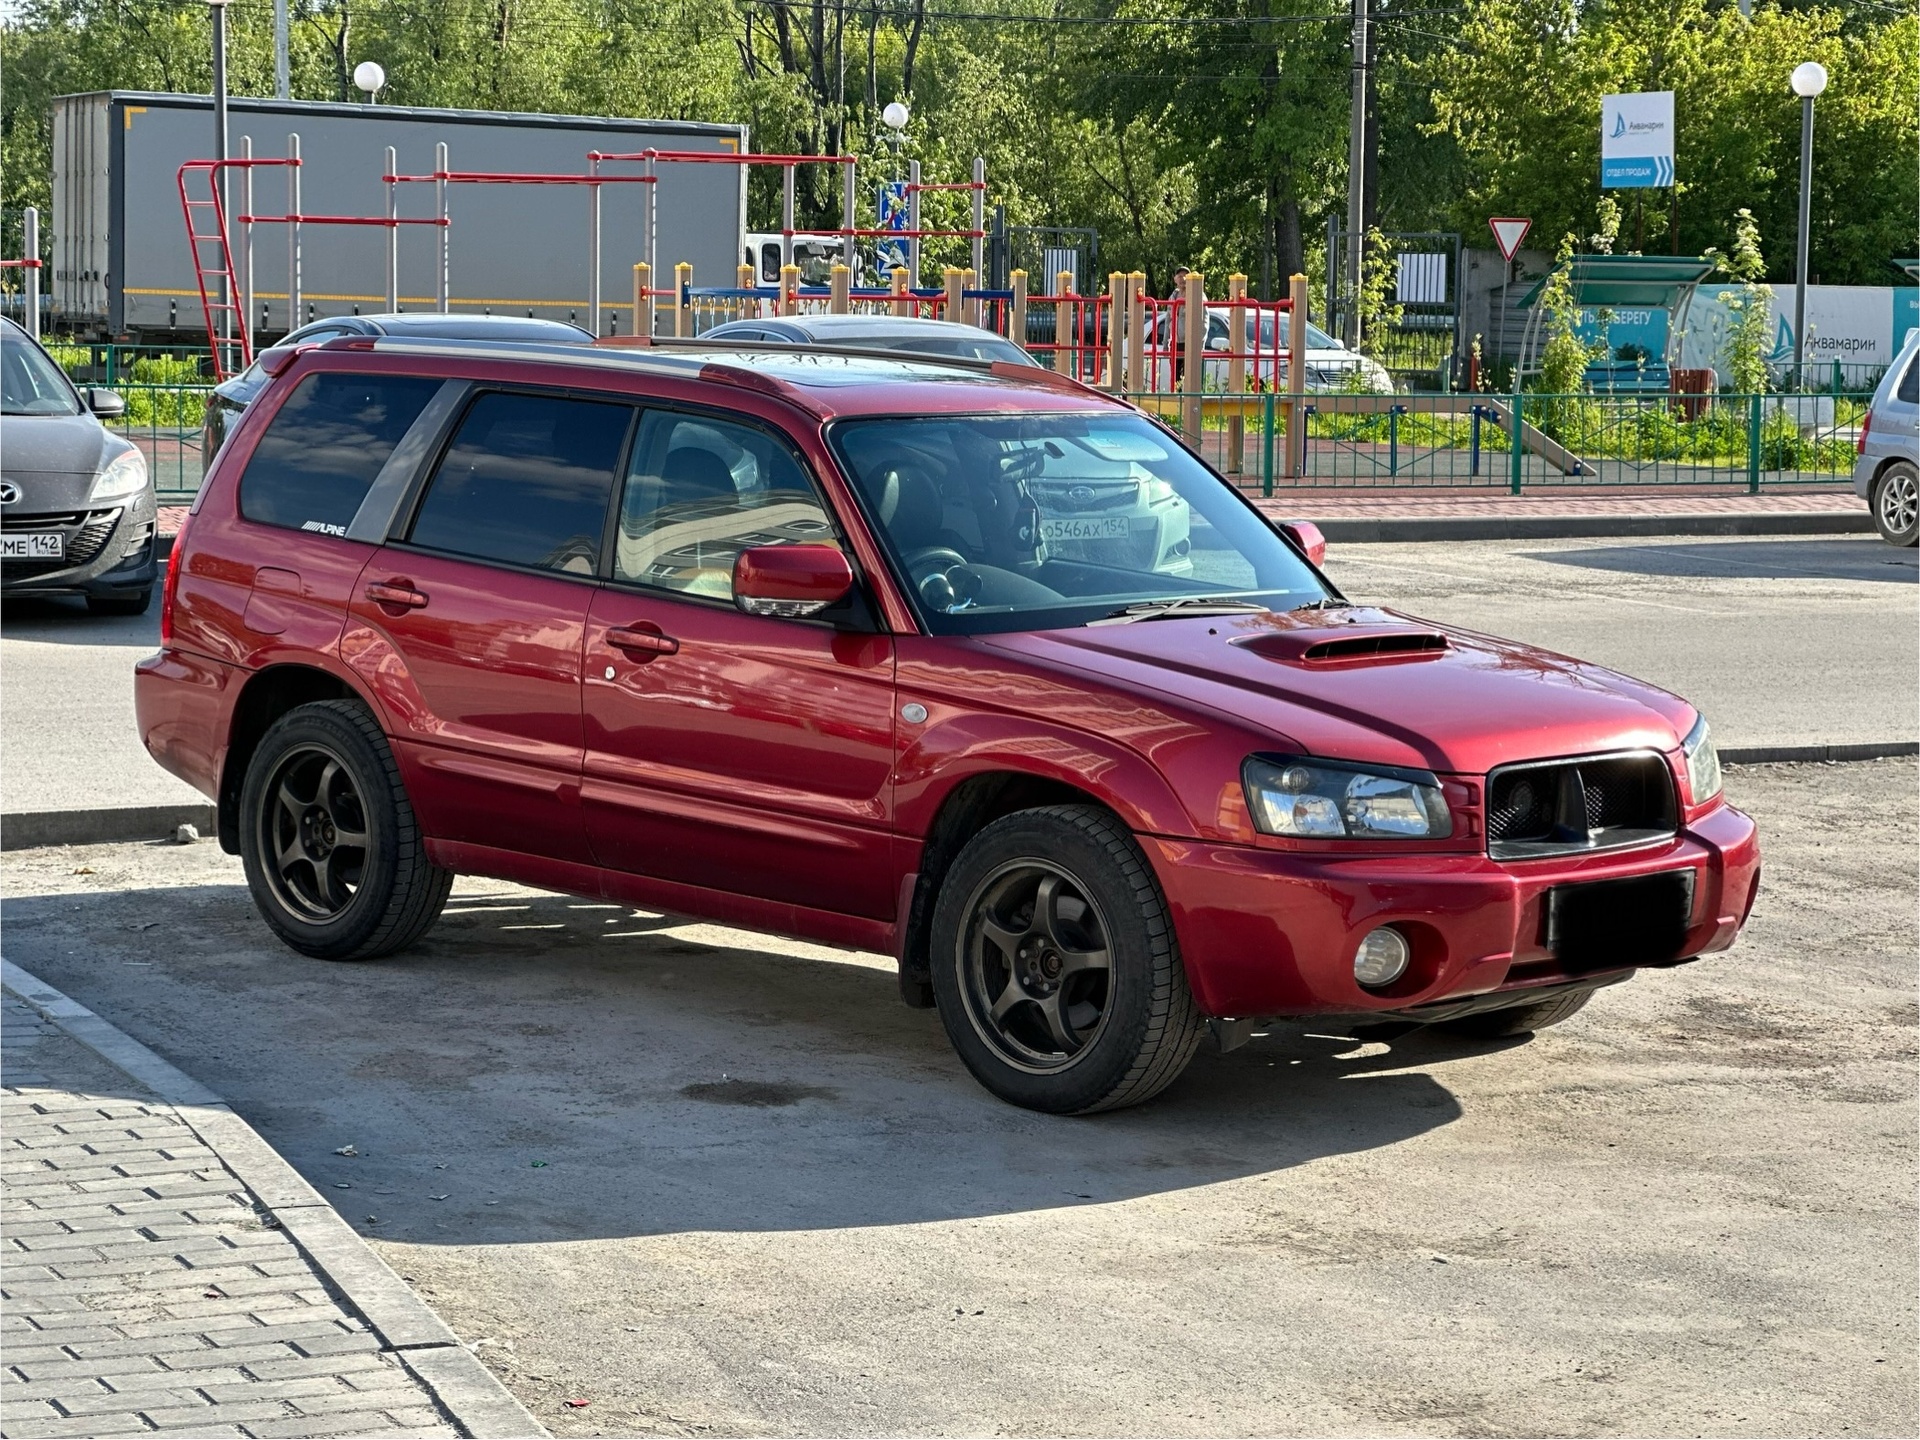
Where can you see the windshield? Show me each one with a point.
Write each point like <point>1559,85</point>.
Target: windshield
<point>1033,522</point>
<point>30,383</point>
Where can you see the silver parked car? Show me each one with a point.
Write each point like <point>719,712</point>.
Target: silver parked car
<point>934,338</point>
<point>76,504</point>
<point>1887,474</point>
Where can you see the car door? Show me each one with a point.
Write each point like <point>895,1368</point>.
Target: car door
<point>744,753</point>
<point>472,624</point>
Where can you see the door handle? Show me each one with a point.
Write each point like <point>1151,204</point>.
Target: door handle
<point>642,644</point>
<point>396,592</point>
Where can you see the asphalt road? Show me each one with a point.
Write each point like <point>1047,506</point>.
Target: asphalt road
<point>705,1181</point>
<point>1789,641</point>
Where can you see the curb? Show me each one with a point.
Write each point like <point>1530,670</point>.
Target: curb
<point>33,829</point>
<point>1814,754</point>
<point>477,1402</point>
<point>1401,528</point>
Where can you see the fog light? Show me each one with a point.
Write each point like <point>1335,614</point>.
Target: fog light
<point>1382,958</point>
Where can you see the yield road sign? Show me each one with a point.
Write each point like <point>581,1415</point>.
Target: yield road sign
<point>1508,233</point>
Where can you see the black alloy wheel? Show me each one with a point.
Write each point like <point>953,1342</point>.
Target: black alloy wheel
<point>1055,966</point>
<point>314,828</point>
<point>334,856</point>
<point>1038,968</point>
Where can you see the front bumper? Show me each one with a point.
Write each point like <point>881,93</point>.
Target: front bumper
<point>110,552</point>
<point>1270,934</point>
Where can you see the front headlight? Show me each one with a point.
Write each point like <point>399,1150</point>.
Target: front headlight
<point>1320,799</point>
<point>126,476</point>
<point>1703,762</point>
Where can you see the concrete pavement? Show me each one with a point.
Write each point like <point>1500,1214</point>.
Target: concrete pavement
<point>705,1180</point>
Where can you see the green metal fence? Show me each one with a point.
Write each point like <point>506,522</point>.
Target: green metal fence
<point>1596,442</point>
<point>166,389</point>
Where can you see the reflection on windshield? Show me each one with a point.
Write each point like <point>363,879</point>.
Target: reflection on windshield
<point>1014,523</point>
<point>30,384</point>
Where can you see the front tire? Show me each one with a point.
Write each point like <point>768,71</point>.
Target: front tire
<point>1896,504</point>
<point>333,854</point>
<point>1055,966</point>
<point>1517,1019</point>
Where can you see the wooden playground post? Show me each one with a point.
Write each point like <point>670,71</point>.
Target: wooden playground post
<point>789,289</point>
<point>1237,322</point>
<point>839,283</point>
<point>1195,345</point>
<point>1066,312</point>
<point>1116,377</point>
<point>956,281</point>
<point>970,280</point>
<point>1017,312</point>
<point>1137,336</point>
<point>1296,377</point>
<point>749,306</point>
<point>682,310</point>
<point>902,302</point>
<point>643,299</point>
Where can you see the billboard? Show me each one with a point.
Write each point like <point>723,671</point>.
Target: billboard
<point>1636,141</point>
<point>1860,326</point>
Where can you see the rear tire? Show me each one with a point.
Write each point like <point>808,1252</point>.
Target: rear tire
<point>333,854</point>
<point>1055,966</point>
<point>120,604</point>
<point>1517,1019</point>
<point>1896,504</point>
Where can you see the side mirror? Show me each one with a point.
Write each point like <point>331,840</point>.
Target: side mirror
<point>107,404</point>
<point>1307,536</point>
<point>790,580</point>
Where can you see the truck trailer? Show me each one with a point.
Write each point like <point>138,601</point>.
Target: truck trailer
<point>123,266</point>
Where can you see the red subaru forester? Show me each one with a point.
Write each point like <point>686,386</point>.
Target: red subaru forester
<point>964,663</point>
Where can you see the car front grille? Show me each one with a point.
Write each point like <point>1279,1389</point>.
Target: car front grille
<point>1597,802</point>
<point>87,533</point>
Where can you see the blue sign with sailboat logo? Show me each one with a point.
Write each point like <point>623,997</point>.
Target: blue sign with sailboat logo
<point>1636,141</point>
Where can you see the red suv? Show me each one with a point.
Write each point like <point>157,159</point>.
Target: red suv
<point>960,662</point>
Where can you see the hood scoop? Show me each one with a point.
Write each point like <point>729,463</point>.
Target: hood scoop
<point>1344,645</point>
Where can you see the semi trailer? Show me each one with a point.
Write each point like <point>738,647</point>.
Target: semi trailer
<point>123,265</point>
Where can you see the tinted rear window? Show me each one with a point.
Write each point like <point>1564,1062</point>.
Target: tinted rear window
<point>318,458</point>
<point>527,481</point>
<point>1910,384</point>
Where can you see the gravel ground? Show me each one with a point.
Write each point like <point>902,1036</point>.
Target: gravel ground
<point>705,1181</point>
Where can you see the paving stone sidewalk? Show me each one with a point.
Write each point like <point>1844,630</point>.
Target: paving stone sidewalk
<point>141,1292</point>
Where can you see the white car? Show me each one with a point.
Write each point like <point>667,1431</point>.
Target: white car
<point>1330,365</point>
<point>1887,474</point>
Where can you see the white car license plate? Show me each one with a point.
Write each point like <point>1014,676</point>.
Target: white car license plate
<point>45,545</point>
<point>1107,527</point>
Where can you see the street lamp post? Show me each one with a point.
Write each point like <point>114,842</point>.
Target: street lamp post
<point>1809,79</point>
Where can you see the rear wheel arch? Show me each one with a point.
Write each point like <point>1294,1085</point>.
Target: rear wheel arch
<point>967,808</point>
<point>268,695</point>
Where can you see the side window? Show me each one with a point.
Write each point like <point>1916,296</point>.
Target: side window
<point>318,458</point>
<point>770,263</point>
<point>526,481</point>
<point>701,490</point>
<point>1909,392</point>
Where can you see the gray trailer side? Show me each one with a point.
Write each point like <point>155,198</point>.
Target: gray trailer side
<point>122,264</point>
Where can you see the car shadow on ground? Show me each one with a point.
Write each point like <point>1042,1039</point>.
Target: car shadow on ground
<point>64,619</point>
<point>1865,558</point>
<point>544,1068</point>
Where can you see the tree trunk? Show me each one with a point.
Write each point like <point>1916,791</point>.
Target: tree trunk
<point>1287,238</point>
<point>913,48</point>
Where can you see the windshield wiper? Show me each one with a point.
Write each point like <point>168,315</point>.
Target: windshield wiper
<point>1181,605</point>
<point>1327,602</point>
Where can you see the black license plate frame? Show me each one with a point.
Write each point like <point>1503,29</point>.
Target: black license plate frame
<point>1621,922</point>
